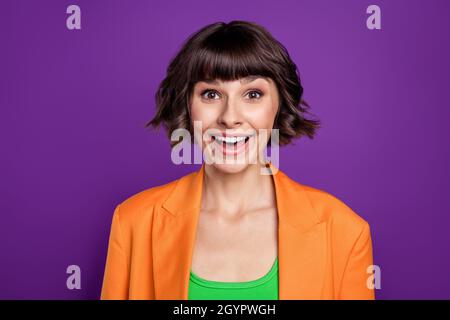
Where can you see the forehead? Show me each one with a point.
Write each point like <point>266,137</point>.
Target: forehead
<point>243,80</point>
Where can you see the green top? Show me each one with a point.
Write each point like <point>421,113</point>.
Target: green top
<point>264,288</point>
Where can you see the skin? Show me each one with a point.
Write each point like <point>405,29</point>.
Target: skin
<point>236,236</point>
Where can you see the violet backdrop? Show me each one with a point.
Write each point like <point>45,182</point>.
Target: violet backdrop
<point>74,104</point>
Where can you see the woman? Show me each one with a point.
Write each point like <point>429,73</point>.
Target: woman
<point>229,231</point>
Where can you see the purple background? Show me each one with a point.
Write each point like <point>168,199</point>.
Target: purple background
<point>74,105</point>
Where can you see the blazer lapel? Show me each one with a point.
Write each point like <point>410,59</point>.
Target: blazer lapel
<point>173,238</point>
<point>301,239</point>
<point>301,242</point>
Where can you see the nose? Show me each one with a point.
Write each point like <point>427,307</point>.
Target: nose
<point>230,116</point>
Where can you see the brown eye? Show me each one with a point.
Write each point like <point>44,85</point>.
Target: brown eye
<point>209,94</point>
<point>255,94</point>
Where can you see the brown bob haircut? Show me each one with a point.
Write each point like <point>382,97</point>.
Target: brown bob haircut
<point>230,51</point>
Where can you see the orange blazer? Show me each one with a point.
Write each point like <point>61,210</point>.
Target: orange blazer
<point>324,248</point>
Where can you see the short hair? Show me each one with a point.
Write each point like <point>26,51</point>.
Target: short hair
<point>230,51</point>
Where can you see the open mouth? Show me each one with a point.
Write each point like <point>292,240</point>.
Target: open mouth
<point>231,145</point>
<point>230,140</point>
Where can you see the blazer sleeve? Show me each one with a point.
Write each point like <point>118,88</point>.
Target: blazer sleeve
<point>356,278</point>
<point>115,279</point>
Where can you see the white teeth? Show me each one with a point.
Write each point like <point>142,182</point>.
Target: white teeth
<point>229,139</point>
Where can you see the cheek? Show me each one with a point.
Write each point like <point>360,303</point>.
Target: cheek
<point>198,113</point>
<point>262,117</point>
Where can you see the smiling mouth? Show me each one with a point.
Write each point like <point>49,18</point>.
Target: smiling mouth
<point>230,141</point>
<point>231,145</point>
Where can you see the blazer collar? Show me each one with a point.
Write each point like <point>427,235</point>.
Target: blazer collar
<point>187,196</point>
<point>301,239</point>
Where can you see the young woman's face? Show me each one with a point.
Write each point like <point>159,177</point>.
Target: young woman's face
<point>236,120</point>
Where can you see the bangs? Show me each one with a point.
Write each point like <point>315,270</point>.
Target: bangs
<point>228,56</point>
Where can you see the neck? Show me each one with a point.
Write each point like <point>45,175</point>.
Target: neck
<point>236,193</point>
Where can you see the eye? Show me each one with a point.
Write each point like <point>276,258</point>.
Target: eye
<point>255,94</point>
<point>209,94</point>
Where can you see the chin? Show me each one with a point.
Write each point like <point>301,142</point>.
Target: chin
<point>230,168</point>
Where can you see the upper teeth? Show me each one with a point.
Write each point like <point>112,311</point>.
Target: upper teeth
<point>229,139</point>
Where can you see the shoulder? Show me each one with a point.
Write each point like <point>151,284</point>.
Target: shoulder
<point>330,208</point>
<point>340,218</point>
<point>141,205</point>
<point>345,225</point>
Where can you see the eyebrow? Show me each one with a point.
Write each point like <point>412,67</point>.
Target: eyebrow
<point>244,80</point>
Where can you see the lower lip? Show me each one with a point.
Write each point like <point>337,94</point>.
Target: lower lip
<point>234,149</point>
